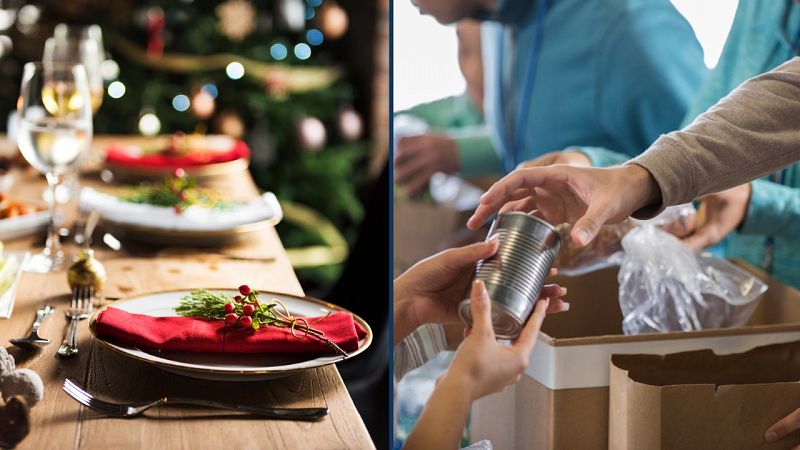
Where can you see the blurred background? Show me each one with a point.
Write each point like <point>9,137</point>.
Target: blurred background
<point>426,52</point>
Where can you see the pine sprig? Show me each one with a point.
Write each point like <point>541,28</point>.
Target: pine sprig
<point>178,192</point>
<point>203,304</point>
<point>247,311</point>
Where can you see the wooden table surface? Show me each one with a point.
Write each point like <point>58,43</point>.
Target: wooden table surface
<point>60,422</point>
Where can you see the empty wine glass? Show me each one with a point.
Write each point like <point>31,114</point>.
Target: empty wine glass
<point>55,131</point>
<point>72,44</point>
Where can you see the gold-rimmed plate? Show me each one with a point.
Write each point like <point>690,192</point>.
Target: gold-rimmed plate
<point>130,172</point>
<point>224,366</point>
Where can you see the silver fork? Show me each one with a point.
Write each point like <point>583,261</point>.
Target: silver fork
<point>80,308</point>
<point>135,409</point>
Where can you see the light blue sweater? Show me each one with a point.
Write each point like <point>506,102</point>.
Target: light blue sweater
<point>610,73</point>
<point>759,41</point>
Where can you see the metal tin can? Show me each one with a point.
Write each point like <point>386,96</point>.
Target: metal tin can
<point>514,276</point>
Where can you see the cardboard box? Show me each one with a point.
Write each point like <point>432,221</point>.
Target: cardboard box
<point>702,400</point>
<point>562,400</point>
<point>420,229</point>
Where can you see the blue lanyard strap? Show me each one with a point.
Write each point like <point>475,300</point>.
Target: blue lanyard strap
<point>512,154</point>
<point>769,242</point>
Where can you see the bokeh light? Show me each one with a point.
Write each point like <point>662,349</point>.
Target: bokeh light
<point>234,70</point>
<point>116,89</point>
<point>314,36</point>
<point>181,102</point>
<point>302,51</point>
<point>278,51</point>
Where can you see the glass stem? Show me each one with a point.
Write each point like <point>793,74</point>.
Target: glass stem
<point>53,244</point>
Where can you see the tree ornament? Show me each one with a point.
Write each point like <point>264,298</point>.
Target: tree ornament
<point>293,14</point>
<point>332,20</point>
<point>237,19</point>
<point>349,124</point>
<point>87,271</point>
<point>14,422</point>
<point>24,383</point>
<point>311,134</point>
<point>155,32</point>
<point>6,362</point>
<point>229,123</point>
<point>276,84</point>
<point>203,104</point>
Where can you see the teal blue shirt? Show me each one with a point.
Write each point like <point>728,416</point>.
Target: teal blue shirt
<point>760,40</point>
<point>610,73</point>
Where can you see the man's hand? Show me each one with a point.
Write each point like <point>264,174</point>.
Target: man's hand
<point>584,196</point>
<point>723,212</point>
<point>568,157</point>
<point>419,157</point>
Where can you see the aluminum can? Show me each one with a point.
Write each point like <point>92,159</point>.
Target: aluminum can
<point>514,276</point>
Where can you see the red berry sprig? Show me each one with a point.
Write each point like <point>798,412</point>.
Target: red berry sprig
<point>243,308</point>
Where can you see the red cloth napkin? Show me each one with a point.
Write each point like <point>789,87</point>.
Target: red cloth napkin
<point>188,334</point>
<point>124,155</point>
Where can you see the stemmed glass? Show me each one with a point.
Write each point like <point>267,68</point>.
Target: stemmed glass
<point>73,44</point>
<point>77,44</point>
<point>55,131</point>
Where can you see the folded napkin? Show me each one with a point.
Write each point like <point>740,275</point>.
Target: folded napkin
<point>188,334</point>
<point>134,156</point>
<point>193,218</point>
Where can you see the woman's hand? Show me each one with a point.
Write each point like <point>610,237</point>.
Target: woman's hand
<point>485,365</point>
<point>430,291</point>
<point>783,427</point>
<point>723,212</point>
<point>481,366</point>
<point>584,196</point>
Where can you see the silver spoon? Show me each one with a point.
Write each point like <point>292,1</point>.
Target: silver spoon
<point>33,340</point>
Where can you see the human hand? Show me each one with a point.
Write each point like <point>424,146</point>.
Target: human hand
<point>723,212</point>
<point>482,365</point>
<point>783,427</point>
<point>584,196</point>
<point>430,291</point>
<point>568,157</point>
<point>419,157</point>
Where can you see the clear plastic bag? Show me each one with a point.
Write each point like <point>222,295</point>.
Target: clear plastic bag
<point>604,250</point>
<point>664,286</point>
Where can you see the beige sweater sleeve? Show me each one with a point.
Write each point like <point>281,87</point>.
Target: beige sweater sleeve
<point>752,132</point>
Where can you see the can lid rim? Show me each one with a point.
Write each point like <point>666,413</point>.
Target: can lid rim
<point>542,221</point>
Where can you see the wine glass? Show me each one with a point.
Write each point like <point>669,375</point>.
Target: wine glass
<point>79,44</point>
<point>55,131</point>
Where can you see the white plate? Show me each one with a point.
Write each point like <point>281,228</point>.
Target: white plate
<point>23,225</point>
<point>229,367</point>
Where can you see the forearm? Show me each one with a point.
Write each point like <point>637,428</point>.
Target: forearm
<point>748,134</point>
<point>445,415</point>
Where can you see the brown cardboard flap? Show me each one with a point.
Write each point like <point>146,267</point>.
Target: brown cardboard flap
<point>595,316</point>
<point>701,400</point>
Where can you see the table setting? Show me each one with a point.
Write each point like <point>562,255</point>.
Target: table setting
<point>142,277</point>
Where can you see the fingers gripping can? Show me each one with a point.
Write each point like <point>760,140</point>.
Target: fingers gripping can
<point>515,275</point>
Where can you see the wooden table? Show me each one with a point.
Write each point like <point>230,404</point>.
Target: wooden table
<point>60,422</point>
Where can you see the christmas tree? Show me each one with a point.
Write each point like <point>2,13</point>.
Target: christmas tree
<point>257,70</point>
